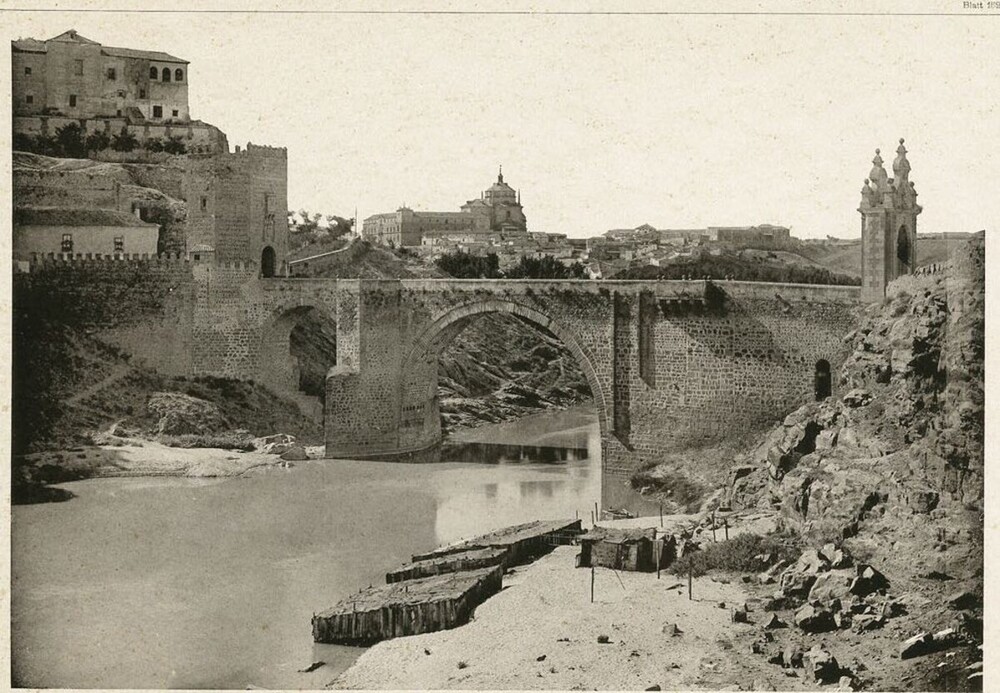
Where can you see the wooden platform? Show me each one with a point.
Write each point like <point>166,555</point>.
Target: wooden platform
<point>471,559</point>
<point>522,542</point>
<point>407,608</point>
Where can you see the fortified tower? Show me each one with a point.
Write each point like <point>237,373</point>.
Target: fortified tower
<point>889,212</point>
<point>237,207</point>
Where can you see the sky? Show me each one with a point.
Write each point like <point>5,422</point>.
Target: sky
<point>602,122</point>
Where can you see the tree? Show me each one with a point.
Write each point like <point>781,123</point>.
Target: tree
<point>96,141</point>
<point>462,265</point>
<point>546,267</point>
<point>70,141</point>
<point>338,226</point>
<point>175,145</point>
<point>124,141</point>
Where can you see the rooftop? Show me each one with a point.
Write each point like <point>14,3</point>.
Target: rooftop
<point>59,216</point>
<point>30,45</point>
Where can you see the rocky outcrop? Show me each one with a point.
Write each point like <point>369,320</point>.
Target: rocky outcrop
<point>909,426</point>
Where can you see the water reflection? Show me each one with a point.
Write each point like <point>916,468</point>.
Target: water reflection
<point>495,453</point>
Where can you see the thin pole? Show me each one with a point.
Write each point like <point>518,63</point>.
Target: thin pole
<point>658,548</point>
<point>591,584</point>
<point>689,584</point>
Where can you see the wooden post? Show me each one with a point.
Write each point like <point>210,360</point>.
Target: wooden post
<point>591,584</point>
<point>689,585</point>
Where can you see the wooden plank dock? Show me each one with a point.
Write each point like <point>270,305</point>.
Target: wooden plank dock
<point>523,542</point>
<point>471,559</point>
<point>407,608</point>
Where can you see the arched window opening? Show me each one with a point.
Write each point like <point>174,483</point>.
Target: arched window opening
<point>267,262</point>
<point>166,74</point>
<point>903,246</point>
<point>153,73</point>
<point>178,75</point>
<point>822,380</point>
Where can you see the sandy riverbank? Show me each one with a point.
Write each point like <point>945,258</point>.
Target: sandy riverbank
<point>541,632</point>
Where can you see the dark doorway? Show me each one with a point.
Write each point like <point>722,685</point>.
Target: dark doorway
<point>903,246</point>
<point>822,380</point>
<point>267,262</point>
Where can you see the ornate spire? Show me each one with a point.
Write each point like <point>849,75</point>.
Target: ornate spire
<point>878,176</point>
<point>901,167</point>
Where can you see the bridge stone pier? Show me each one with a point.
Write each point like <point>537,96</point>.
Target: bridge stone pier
<point>670,363</point>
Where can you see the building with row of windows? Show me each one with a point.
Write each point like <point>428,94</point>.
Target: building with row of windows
<point>497,211</point>
<point>73,76</point>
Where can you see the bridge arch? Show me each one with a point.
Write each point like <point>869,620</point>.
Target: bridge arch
<point>297,331</point>
<point>434,338</point>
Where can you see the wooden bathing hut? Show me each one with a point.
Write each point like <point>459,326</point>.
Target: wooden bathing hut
<point>523,543</point>
<point>625,549</point>
<point>473,559</point>
<point>407,608</point>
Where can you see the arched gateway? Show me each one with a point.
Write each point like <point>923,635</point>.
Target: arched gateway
<point>421,422</point>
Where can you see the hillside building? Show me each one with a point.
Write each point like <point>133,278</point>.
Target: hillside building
<point>497,211</point>
<point>80,233</point>
<point>72,79</point>
<point>74,76</point>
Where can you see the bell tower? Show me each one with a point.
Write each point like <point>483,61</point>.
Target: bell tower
<point>889,212</point>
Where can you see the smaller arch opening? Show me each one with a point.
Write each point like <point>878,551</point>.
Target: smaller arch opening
<point>267,262</point>
<point>821,381</point>
<point>166,75</point>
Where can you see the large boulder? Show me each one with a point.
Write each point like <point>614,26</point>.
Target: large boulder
<point>274,444</point>
<point>181,414</point>
<point>821,665</point>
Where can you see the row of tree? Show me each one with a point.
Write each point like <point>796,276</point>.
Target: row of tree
<point>462,265</point>
<point>713,267</point>
<point>72,141</point>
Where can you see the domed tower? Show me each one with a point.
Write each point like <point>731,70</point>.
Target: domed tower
<point>507,213</point>
<point>889,212</point>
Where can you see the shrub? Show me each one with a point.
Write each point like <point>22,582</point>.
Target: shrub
<point>746,553</point>
<point>70,141</point>
<point>174,145</point>
<point>124,141</point>
<point>97,141</point>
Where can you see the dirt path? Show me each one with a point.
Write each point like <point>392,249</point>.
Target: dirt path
<point>541,632</point>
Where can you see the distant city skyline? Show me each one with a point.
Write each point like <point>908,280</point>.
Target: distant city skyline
<point>601,122</point>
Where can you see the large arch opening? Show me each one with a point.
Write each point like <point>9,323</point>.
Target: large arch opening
<point>501,384</point>
<point>267,262</point>
<point>903,248</point>
<point>298,349</point>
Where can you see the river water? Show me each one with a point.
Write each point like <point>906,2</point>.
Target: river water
<point>193,583</point>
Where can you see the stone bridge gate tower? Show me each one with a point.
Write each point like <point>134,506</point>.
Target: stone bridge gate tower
<point>889,212</point>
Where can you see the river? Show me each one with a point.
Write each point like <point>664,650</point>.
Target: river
<point>193,583</point>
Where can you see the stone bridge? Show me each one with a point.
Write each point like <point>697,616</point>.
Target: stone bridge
<point>670,363</point>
